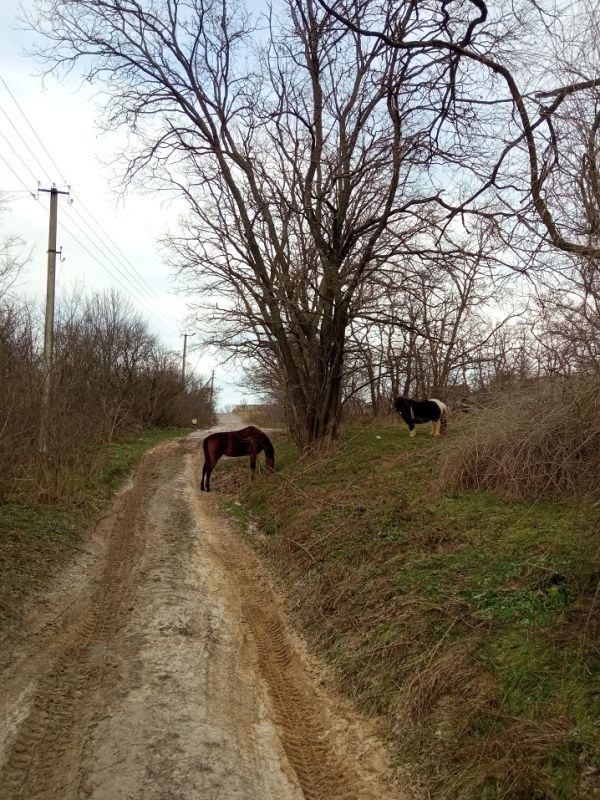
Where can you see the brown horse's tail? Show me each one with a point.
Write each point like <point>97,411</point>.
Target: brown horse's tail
<point>269,452</point>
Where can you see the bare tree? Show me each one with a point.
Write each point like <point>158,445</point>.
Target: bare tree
<point>304,170</point>
<point>566,328</point>
<point>521,76</point>
<point>430,314</point>
<point>18,376</point>
<point>112,375</point>
<point>313,166</point>
<point>13,258</point>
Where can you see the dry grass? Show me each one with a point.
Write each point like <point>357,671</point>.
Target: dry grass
<point>467,621</point>
<point>37,539</point>
<point>543,442</point>
<point>263,416</point>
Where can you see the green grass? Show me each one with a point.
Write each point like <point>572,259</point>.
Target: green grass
<point>36,539</point>
<point>468,621</point>
<point>121,457</point>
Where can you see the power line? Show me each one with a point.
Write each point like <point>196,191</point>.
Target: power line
<point>21,137</point>
<point>115,278</point>
<point>127,289</point>
<point>11,198</point>
<point>117,259</point>
<point>13,195</point>
<point>130,268</point>
<point>112,263</point>
<point>18,177</point>
<point>14,191</point>
<point>23,162</point>
<point>117,255</point>
<point>34,133</point>
<point>116,246</point>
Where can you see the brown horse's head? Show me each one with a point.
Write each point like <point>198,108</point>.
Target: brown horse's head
<point>269,452</point>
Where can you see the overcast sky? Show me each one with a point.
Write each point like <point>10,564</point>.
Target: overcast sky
<point>48,134</point>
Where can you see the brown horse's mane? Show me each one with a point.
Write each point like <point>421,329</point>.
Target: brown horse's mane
<point>266,443</point>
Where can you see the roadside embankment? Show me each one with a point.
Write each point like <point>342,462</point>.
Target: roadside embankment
<point>467,621</point>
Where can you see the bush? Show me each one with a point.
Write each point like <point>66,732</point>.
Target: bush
<point>19,398</point>
<point>542,440</point>
<point>111,379</point>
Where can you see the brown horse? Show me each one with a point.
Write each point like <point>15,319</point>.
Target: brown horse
<point>248,442</point>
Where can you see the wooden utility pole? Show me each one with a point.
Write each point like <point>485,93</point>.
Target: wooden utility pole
<point>49,323</point>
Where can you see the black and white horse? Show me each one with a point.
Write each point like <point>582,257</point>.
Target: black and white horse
<point>415,412</point>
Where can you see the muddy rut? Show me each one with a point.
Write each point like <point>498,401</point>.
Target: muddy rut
<point>161,666</point>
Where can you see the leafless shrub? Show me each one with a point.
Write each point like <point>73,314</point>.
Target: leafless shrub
<point>261,414</point>
<point>193,404</point>
<point>542,440</point>
<point>111,379</point>
<point>19,398</point>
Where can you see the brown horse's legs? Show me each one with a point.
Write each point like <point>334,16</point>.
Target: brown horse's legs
<point>206,471</point>
<point>253,464</point>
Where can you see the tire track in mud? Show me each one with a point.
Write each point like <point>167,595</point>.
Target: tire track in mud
<point>169,671</point>
<point>44,756</point>
<point>324,763</point>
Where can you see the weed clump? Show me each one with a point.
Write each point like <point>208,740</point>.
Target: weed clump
<point>540,442</point>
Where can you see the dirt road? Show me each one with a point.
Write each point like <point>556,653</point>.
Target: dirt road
<point>161,667</point>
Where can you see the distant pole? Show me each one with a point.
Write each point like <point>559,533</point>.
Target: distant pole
<point>185,338</point>
<point>212,389</point>
<point>49,322</point>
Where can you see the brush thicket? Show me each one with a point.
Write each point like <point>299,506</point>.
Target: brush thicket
<point>538,441</point>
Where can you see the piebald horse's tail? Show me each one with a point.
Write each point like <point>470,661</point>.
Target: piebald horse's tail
<point>443,415</point>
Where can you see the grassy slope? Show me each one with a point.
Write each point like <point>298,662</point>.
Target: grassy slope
<point>467,620</point>
<point>36,539</point>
